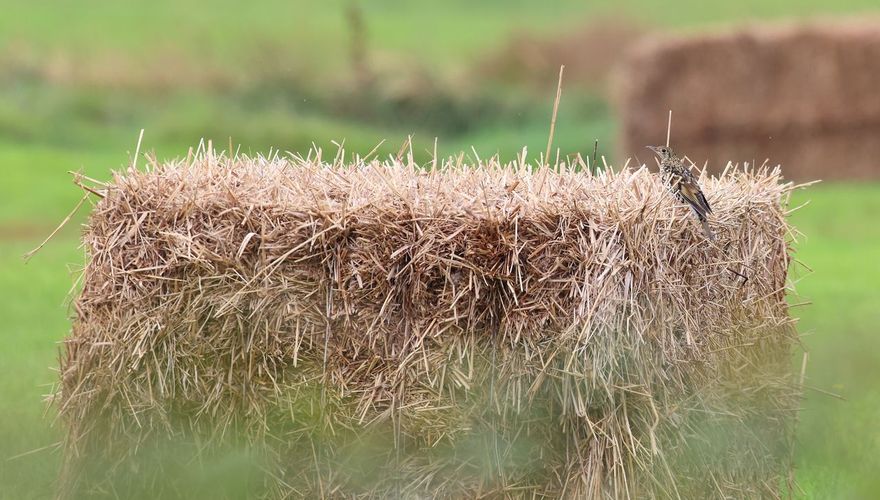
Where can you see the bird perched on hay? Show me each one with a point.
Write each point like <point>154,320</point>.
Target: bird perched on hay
<point>683,185</point>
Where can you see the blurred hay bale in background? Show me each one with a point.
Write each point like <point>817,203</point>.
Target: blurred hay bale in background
<point>381,330</point>
<point>803,95</point>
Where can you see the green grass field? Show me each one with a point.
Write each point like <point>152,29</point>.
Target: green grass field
<point>50,127</point>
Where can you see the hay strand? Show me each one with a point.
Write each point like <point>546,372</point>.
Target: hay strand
<point>555,113</point>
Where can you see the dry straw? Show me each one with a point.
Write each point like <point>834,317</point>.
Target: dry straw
<point>377,329</point>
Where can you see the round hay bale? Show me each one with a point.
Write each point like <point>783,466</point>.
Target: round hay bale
<point>378,329</point>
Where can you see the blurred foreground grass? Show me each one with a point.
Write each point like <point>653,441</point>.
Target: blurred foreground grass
<point>274,75</point>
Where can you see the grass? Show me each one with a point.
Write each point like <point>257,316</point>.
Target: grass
<point>34,321</point>
<point>47,128</point>
<point>839,439</point>
<point>224,33</point>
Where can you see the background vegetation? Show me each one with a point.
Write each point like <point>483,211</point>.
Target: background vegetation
<point>78,80</point>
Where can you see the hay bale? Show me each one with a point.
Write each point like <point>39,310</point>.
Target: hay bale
<point>761,92</point>
<point>381,330</point>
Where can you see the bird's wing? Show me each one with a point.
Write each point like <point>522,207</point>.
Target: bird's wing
<point>691,192</point>
<point>701,198</point>
<point>705,203</point>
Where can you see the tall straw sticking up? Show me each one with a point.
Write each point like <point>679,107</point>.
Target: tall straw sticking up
<point>375,329</point>
<point>555,113</point>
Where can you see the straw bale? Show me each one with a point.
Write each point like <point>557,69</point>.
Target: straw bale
<point>379,329</point>
<point>779,90</point>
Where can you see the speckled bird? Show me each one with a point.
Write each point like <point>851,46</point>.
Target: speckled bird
<point>683,185</point>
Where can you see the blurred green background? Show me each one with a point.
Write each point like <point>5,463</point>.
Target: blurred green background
<point>79,79</point>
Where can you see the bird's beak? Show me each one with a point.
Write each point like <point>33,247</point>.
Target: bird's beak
<point>652,148</point>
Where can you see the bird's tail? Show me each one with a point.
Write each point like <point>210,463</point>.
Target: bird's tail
<point>708,232</point>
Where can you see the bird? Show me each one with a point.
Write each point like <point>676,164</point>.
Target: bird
<point>683,185</point>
